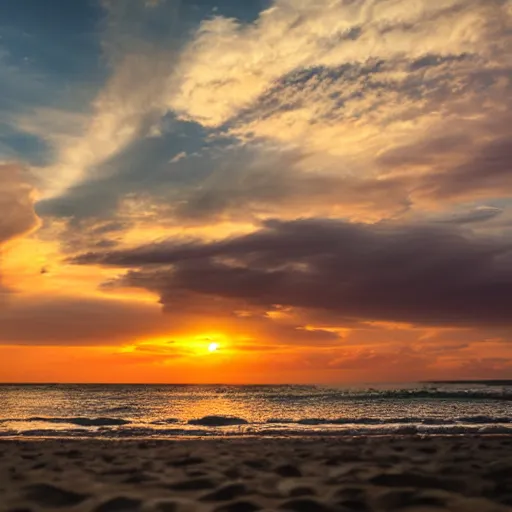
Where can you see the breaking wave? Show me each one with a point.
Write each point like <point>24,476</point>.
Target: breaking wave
<point>218,421</point>
<point>257,430</point>
<point>234,426</point>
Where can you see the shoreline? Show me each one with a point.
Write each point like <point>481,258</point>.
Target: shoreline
<point>249,437</point>
<point>226,474</point>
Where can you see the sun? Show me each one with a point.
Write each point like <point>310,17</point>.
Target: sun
<point>213,347</point>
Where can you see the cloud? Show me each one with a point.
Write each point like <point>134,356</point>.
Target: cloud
<point>369,91</point>
<point>141,170</point>
<point>17,211</point>
<point>16,202</point>
<point>250,58</point>
<point>394,362</point>
<point>178,157</point>
<point>77,321</point>
<point>139,48</point>
<point>122,112</point>
<point>477,215</point>
<point>487,174</point>
<point>363,111</point>
<point>257,181</point>
<point>431,274</point>
<point>488,366</point>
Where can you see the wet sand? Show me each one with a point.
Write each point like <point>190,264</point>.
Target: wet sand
<point>458,474</point>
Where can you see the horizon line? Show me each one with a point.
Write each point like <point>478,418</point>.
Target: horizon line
<point>52,383</point>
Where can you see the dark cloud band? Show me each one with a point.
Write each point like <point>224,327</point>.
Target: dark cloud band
<point>431,274</point>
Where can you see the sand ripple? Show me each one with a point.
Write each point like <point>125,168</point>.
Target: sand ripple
<point>407,474</point>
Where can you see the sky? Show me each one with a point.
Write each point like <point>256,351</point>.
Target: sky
<point>319,189</point>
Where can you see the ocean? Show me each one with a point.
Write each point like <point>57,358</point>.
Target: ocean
<point>161,411</point>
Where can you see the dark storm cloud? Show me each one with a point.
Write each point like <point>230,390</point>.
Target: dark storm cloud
<point>439,274</point>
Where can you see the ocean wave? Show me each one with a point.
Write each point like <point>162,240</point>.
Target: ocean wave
<point>444,394</point>
<point>218,421</point>
<point>83,422</point>
<point>167,421</point>
<point>231,421</point>
<point>402,394</point>
<point>145,433</point>
<point>385,421</point>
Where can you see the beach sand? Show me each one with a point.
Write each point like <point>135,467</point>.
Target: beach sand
<point>242,475</point>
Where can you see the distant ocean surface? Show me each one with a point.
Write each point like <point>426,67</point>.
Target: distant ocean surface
<point>145,411</point>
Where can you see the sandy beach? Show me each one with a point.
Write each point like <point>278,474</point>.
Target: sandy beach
<point>243,475</point>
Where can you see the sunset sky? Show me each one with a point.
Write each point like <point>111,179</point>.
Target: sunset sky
<point>322,188</point>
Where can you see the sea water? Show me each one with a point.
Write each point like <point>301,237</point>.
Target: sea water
<point>117,411</point>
